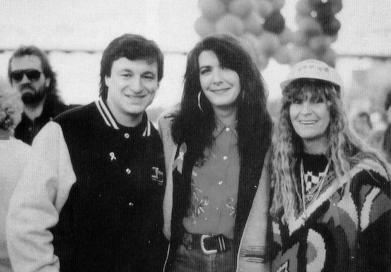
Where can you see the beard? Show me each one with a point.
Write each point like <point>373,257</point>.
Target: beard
<point>32,96</point>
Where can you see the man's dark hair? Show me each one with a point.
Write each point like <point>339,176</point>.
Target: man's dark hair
<point>132,47</point>
<point>31,50</point>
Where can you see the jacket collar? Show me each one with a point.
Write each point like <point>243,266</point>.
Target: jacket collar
<point>110,121</point>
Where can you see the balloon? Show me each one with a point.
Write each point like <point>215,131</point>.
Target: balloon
<point>319,44</point>
<point>299,53</point>
<point>333,38</point>
<point>241,8</point>
<point>268,43</point>
<point>278,4</point>
<point>254,23</point>
<point>336,6</point>
<point>317,2</point>
<point>212,9</point>
<point>249,43</point>
<point>204,27</point>
<point>303,7</point>
<point>330,57</point>
<point>323,10</point>
<point>226,1</point>
<point>264,8</point>
<point>282,55</point>
<point>332,27</point>
<point>275,22</point>
<point>286,36</point>
<point>300,38</point>
<point>310,26</point>
<point>230,24</point>
<point>262,61</point>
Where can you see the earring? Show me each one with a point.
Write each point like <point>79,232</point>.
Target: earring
<point>199,101</point>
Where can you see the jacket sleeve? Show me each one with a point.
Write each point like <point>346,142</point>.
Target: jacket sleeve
<point>37,201</point>
<point>169,147</point>
<point>252,248</point>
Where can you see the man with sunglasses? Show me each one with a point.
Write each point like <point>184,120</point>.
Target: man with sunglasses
<point>91,196</point>
<point>30,72</point>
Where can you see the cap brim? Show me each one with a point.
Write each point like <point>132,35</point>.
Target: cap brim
<point>285,83</point>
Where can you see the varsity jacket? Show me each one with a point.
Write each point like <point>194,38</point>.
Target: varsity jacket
<point>252,181</point>
<point>90,198</point>
<point>346,229</point>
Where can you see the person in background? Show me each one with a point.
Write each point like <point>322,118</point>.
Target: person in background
<point>13,158</point>
<point>381,139</point>
<point>30,72</point>
<point>387,134</point>
<point>217,142</point>
<point>331,206</point>
<point>362,125</point>
<point>91,196</point>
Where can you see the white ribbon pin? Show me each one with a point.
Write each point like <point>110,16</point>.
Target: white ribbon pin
<point>112,156</point>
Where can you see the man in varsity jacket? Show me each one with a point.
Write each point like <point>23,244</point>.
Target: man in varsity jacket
<point>91,196</point>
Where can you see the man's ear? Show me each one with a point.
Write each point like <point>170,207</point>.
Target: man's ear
<point>47,82</point>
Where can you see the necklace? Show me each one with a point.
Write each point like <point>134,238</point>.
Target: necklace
<point>315,191</point>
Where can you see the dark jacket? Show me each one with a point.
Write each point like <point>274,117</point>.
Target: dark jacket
<point>27,129</point>
<point>109,186</point>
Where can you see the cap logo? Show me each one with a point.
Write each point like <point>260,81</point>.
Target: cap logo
<point>311,66</point>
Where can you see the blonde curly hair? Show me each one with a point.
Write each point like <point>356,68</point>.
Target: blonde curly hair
<point>11,107</point>
<point>344,148</point>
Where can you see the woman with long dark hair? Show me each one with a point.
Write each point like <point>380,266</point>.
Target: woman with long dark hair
<point>221,132</point>
<point>331,207</point>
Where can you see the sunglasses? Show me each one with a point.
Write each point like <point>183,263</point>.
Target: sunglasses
<point>32,74</point>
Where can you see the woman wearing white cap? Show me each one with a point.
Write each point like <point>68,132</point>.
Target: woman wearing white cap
<point>331,207</point>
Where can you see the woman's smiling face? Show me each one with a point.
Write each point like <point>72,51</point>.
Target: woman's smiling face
<point>220,85</point>
<point>310,116</point>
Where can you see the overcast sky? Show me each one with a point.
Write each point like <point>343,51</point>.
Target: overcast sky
<point>91,24</point>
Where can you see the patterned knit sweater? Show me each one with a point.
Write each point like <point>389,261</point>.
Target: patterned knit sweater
<point>347,228</point>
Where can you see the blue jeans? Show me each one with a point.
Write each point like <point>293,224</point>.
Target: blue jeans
<point>194,260</point>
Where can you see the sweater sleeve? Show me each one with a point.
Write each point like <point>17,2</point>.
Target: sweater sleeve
<point>37,201</point>
<point>169,153</point>
<point>372,196</point>
<point>252,248</point>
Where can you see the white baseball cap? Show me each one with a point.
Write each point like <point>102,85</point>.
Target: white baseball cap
<point>312,69</point>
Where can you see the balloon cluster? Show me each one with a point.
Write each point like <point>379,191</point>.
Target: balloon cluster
<point>258,24</point>
<point>317,30</point>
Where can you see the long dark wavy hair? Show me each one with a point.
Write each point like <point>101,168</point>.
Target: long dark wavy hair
<point>195,127</point>
<point>344,148</point>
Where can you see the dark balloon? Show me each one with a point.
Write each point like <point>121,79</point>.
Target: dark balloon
<point>323,10</point>
<point>337,6</point>
<point>331,27</point>
<point>275,22</point>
